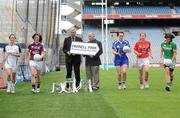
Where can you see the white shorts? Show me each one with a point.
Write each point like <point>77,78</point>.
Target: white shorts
<point>36,64</point>
<point>142,62</point>
<point>172,66</point>
<point>13,67</point>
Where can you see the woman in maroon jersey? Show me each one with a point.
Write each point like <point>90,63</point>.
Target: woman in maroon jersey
<point>36,65</point>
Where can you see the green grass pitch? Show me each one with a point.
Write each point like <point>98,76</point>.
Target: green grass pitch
<point>108,102</point>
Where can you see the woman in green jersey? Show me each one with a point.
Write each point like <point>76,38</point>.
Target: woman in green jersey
<point>168,54</point>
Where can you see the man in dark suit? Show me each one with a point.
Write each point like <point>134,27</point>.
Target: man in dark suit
<point>72,60</point>
<point>92,63</point>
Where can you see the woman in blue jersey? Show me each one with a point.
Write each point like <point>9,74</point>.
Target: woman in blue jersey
<point>121,60</point>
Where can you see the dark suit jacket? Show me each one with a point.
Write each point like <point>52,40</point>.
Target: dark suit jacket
<point>67,47</point>
<point>95,61</point>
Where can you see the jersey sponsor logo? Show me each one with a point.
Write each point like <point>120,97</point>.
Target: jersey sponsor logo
<point>144,50</point>
<point>35,52</point>
<point>166,47</point>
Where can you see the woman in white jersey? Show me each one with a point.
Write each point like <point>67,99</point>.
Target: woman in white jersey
<point>10,57</point>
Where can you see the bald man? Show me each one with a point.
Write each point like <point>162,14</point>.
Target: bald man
<point>92,63</point>
<point>72,60</point>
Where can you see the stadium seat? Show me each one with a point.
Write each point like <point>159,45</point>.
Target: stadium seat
<point>178,10</point>
<point>143,10</point>
<point>130,10</point>
<point>95,10</point>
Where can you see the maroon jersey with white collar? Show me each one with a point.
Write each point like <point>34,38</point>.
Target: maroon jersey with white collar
<point>35,49</point>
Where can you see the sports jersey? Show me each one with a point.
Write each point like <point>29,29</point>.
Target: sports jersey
<point>143,47</point>
<point>35,49</point>
<point>168,49</point>
<point>11,59</point>
<point>122,57</point>
<point>43,46</point>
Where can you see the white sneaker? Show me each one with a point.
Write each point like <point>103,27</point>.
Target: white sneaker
<point>90,89</point>
<point>33,90</point>
<point>124,86</point>
<point>146,85</point>
<point>119,87</point>
<point>78,88</point>
<point>38,90</point>
<point>141,86</point>
<point>12,90</point>
<point>8,90</point>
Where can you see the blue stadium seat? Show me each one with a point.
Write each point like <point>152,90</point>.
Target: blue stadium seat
<point>178,10</point>
<point>95,10</point>
<point>143,10</point>
<point>130,10</point>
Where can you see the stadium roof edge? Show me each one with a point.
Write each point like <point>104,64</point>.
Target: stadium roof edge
<point>141,2</point>
<point>132,1</point>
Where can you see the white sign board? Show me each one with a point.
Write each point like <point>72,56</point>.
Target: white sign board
<point>84,48</point>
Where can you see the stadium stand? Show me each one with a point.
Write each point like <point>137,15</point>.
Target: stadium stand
<point>178,10</point>
<point>143,10</point>
<point>95,10</point>
<point>154,34</point>
<point>129,10</point>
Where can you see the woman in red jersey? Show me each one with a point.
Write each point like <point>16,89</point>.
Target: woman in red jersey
<point>142,49</point>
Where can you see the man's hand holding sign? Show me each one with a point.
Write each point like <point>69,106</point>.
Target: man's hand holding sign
<point>82,48</point>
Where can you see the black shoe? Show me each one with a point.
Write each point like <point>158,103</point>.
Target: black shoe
<point>168,88</point>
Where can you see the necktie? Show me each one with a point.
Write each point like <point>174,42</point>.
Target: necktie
<point>73,39</point>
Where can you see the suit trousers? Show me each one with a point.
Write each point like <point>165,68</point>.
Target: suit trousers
<point>92,73</point>
<point>69,66</point>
